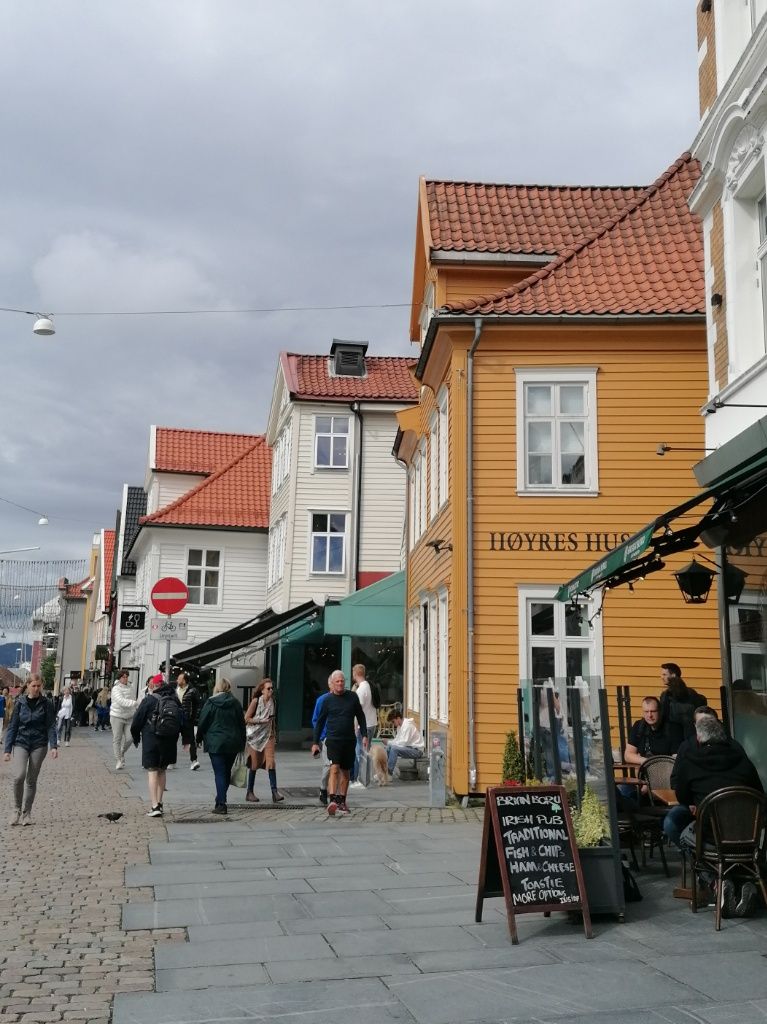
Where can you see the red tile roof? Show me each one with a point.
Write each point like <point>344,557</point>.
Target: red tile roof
<point>648,260</point>
<point>388,379</point>
<point>197,451</point>
<point>532,219</point>
<point>108,555</point>
<point>80,589</point>
<point>235,496</point>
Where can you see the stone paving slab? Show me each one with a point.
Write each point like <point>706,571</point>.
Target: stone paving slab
<point>137,877</point>
<point>210,890</point>
<point>405,940</point>
<point>186,979</point>
<point>342,968</point>
<point>255,950</point>
<point>182,913</point>
<point>326,904</point>
<point>550,991</point>
<point>722,976</point>
<point>331,1002</point>
<point>478,959</point>
<point>233,932</point>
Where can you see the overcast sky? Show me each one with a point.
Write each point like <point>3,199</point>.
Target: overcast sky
<point>189,154</point>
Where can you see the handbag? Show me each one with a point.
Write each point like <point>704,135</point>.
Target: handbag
<point>364,768</point>
<point>239,773</point>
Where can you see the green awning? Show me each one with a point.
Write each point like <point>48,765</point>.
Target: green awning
<point>606,567</point>
<point>617,565</point>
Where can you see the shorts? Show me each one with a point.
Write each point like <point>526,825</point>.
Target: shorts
<point>157,757</point>
<point>341,753</point>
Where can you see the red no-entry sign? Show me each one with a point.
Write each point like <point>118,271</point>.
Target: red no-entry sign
<point>169,595</point>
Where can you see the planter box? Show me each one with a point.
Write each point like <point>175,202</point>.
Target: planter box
<point>603,878</point>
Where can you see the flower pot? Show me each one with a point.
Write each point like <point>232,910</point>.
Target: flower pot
<point>603,878</point>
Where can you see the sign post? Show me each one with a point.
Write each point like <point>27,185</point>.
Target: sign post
<point>529,855</point>
<point>169,596</point>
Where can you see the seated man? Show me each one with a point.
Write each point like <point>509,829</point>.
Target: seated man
<point>406,742</point>
<point>649,737</point>
<point>679,817</point>
<point>714,762</point>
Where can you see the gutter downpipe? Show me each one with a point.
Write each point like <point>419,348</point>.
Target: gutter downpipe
<point>478,324</point>
<point>355,408</point>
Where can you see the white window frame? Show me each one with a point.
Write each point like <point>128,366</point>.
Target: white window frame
<point>444,439</point>
<point>433,657</point>
<point>283,532</point>
<point>526,594</point>
<point>219,569</point>
<point>422,521</point>
<point>413,700</point>
<point>554,376</point>
<point>433,464</point>
<point>417,489</point>
<point>411,508</point>
<point>332,435</point>
<point>427,310</point>
<point>276,556</point>
<point>761,259</point>
<point>327,533</point>
<point>753,602</point>
<point>444,665</point>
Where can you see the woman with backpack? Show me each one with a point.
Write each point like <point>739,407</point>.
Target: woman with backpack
<point>222,729</point>
<point>157,726</point>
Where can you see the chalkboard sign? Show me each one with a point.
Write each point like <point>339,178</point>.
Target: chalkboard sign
<point>529,854</point>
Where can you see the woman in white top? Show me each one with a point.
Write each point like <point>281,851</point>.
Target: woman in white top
<point>65,716</point>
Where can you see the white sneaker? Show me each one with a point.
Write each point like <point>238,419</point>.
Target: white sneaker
<point>193,767</point>
<point>26,818</point>
<point>67,743</point>
<point>356,785</point>
<point>156,812</point>
<point>15,818</point>
<point>119,766</point>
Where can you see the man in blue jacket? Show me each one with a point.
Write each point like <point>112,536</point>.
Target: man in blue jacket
<point>339,711</point>
<point>325,761</point>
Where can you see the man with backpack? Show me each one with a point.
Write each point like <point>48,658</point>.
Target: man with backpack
<point>157,724</point>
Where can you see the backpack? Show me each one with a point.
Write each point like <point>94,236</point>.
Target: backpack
<point>375,694</point>
<point>166,717</point>
<point>631,891</point>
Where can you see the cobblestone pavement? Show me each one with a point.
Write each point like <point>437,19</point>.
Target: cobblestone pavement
<point>63,954</point>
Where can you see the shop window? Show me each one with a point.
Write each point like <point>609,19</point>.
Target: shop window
<point>331,442</point>
<point>382,657</point>
<point>556,431</point>
<point>328,542</point>
<point>203,575</point>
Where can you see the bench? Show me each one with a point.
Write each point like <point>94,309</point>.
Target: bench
<point>413,769</point>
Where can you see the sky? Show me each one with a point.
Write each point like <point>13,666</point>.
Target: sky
<point>244,154</point>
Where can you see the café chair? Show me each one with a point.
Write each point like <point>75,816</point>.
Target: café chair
<point>729,840</point>
<point>646,819</point>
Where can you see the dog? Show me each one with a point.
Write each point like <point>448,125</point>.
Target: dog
<point>380,764</point>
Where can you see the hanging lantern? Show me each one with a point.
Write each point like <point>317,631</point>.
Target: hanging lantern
<point>734,582</point>
<point>695,582</point>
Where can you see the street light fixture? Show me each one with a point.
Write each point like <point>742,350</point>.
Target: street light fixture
<point>44,326</point>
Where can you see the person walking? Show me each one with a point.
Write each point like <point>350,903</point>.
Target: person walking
<point>190,705</point>
<point>64,717</point>
<point>339,712</point>
<point>222,729</point>
<point>102,709</point>
<point>121,711</point>
<point>262,739</point>
<point>157,726</point>
<point>362,688</point>
<point>325,774</point>
<point>31,731</point>
<point>3,708</point>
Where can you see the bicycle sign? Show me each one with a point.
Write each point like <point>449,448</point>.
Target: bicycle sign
<point>168,629</point>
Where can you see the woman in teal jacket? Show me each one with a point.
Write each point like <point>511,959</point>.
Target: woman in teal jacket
<point>222,729</point>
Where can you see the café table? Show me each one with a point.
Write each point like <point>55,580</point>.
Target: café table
<point>668,796</point>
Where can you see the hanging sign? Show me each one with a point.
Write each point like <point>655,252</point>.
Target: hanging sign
<point>529,855</point>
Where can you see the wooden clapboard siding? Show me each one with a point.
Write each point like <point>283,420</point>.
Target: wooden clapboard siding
<point>468,282</point>
<point>383,495</point>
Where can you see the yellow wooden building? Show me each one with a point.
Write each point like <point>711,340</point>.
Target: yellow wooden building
<point>534,448</point>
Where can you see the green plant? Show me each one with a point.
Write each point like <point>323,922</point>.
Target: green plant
<point>513,769</point>
<point>590,823</point>
<point>48,670</point>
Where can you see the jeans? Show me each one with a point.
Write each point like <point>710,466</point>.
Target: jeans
<point>27,765</point>
<point>65,726</point>
<point>222,772</point>
<point>394,752</point>
<point>121,737</point>
<point>675,822</point>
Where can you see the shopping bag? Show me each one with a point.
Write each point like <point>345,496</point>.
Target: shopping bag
<point>365,768</point>
<point>240,773</point>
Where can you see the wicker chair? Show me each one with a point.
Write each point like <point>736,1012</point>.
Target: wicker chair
<point>730,840</point>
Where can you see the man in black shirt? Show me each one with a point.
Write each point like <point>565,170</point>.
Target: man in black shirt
<point>337,716</point>
<point>649,737</point>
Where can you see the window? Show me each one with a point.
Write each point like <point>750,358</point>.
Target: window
<point>433,658</point>
<point>411,507</point>
<point>761,256</point>
<point>443,447</point>
<point>203,574</point>
<point>422,489</point>
<point>434,501</point>
<point>281,454</point>
<point>413,700</point>
<point>556,431</point>
<point>328,542</point>
<point>427,311</point>
<point>276,556</point>
<point>417,495</point>
<point>443,657</point>
<point>556,641</point>
<point>331,442</point>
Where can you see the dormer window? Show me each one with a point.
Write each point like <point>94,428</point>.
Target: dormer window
<point>348,358</point>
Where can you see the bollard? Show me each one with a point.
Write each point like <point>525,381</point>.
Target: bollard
<point>437,758</point>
